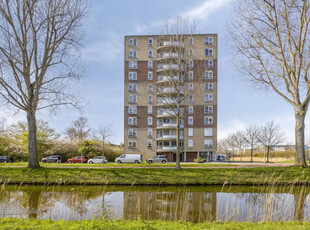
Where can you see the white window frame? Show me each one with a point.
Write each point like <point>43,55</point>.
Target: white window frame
<point>190,98</point>
<point>191,75</point>
<point>190,120</point>
<point>149,87</point>
<point>132,144</point>
<point>208,40</point>
<point>132,121</point>
<point>190,64</point>
<point>190,109</point>
<point>132,64</point>
<point>190,144</point>
<point>208,86</point>
<point>149,132</point>
<point>150,75</point>
<point>132,109</point>
<point>150,53</point>
<point>132,76</point>
<point>209,97</point>
<point>149,144</point>
<point>208,52</point>
<point>132,87</point>
<point>208,120</point>
<point>150,43</point>
<point>208,109</point>
<point>190,86</point>
<point>190,52</point>
<point>208,132</point>
<point>149,121</point>
<point>150,99</point>
<point>190,132</point>
<point>150,64</point>
<point>208,63</point>
<point>150,110</point>
<point>132,54</point>
<point>208,74</point>
<point>132,42</point>
<point>132,98</point>
<point>132,132</point>
<point>208,143</point>
<point>191,41</point>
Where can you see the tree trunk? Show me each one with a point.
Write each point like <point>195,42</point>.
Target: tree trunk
<point>268,150</point>
<point>300,158</point>
<point>32,141</point>
<point>252,154</point>
<point>178,165</point>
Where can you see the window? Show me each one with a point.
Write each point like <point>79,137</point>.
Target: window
<point>149,99</point>
<point>190,75</point>
<point>132,87</point>
<point>132,98</point>
<point>150,65</point>
<point>208,120</point>
<point>132,144</point>
<point>149,143</point>
<point>208,97</point>
<point>133,42</point>
<point>208,52</point>
<point>132,132</point>
<point>132,65</point>
<point>132,76</point>
<point>149,132</point>
<point>208,86</point>
<point>208,143</point>
<point>132,121</point>
<point>132,109</point>
<point>190,120</point>
<point>150,75</point>
<point>191,41</point>
<point>132,53</point>
<point>190,144</point>
<point>190,132</point>
<point>149,121</point>
<point>208,132</point>
<point>190,64</point>
<point>208,109</point>
<point>150,53</point>
<point>208,40</point>
<point>190,87</point>
<point>149,110</point>
<point>190,52</point>
<point>149,87</point>
<point>190,98</point>
<point>208,63</point>
<point>208,74</point>
<point>190,110</point>
<point>150,41</point>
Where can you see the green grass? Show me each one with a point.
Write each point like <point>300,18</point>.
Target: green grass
<point>10,223</point>
<point>155,176</point>
<point>110,164</point>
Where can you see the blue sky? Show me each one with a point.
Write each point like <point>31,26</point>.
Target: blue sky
<point>239,104</point>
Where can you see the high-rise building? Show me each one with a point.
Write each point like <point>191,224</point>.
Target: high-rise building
<point>150,124</point>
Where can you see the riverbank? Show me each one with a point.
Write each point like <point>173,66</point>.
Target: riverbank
<point>12,223</point>
<point>155,176</point>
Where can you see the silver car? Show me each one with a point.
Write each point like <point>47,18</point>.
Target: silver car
<point>97,160</point>
<point>157,159</point>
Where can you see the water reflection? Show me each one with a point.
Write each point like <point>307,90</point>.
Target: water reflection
<point>196,204</point>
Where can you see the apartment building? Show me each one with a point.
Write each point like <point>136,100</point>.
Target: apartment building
<point>149,121</point>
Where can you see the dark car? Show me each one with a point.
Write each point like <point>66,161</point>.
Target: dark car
<point>5,159</point>
<point>77,160</point>
<point>52,159</point>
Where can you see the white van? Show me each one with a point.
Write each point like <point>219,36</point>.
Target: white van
<point>129,158</point>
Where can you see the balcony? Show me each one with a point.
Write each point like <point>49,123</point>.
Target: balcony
<point>169,90</point>
<point>166,148</point>
<point>164,79</point>
<point>169,55</point>
<point>170,67</point>
<point>168,125</point>
<point>168,137</point>
<point>169,44</point>
<point>168,102</point>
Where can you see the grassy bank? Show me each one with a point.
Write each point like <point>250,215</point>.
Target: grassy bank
<point>155,176</point>
<point>10,223</point>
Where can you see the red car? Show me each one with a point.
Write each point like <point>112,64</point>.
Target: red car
<point>77,160</point>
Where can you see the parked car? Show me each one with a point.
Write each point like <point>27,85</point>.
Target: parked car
<point>97,160</point>
<point>129,158</point>
<point>157,159</point>
<point>5,159</point>
<point>77,159</point>
<point>52,159</point>
<point>221,157</point>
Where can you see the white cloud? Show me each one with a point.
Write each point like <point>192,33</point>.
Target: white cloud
<point>204,10</point>
<point>108,49</point>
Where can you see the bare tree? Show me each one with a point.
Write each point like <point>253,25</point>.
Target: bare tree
<point>80,131</point>
<point>251,135</point>
<point>105,133</point>
<point>175,84</point>
<point>272,48</point>
<point>231,142</point>
<point>39,40</point>
<point>270,136</point>
<point>239,142</point>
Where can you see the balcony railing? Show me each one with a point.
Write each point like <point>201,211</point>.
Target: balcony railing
<point>170,67</point>
<point>170,55</point>
<point>167,148</point>
<point>170,43</point>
